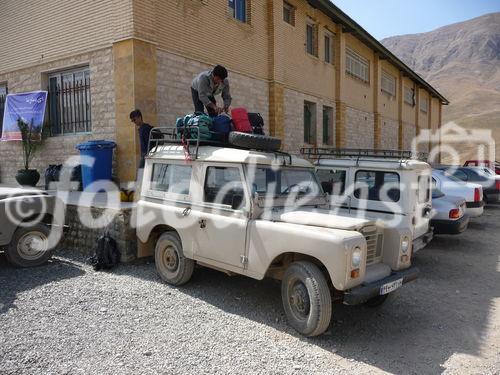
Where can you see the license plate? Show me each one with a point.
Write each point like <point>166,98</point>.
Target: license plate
<point>390,287</point>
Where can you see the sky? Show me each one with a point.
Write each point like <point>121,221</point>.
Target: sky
<point>384,18</point>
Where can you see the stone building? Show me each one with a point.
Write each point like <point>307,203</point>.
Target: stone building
<point>314,74</point>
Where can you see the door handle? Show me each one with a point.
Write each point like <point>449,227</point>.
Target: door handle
<point>186,211</point>
<point>203,223</point>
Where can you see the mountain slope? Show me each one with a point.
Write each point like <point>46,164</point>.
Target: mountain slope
<point>462,61</point>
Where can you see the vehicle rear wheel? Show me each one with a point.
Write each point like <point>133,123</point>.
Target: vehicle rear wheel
<point>29,246</point>
<point>306,298</point>
<point>377,301</point>
<point>171,264</point>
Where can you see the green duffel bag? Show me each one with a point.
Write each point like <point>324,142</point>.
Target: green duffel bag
<point>191,123</point>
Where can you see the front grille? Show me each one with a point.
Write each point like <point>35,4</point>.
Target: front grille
<point>374,244</point>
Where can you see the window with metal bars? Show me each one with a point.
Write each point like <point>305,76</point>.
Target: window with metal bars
<point>357,66</point>
<point>3,96</point>
<point>70,102</point>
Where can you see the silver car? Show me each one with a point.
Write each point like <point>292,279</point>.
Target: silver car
<point>449,216</point>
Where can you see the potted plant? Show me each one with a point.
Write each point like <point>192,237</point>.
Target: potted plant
<point>31,140</point>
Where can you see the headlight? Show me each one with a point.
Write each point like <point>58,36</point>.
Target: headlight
<point>356,257</point>
<point>405,244</point>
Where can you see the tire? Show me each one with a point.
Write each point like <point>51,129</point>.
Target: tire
<point>254,141</point>
<point>29,246</point>
<point>377,301</point>
<point>171,264</point>
<point>306,298</point>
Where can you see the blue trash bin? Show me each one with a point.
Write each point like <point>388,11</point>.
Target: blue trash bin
<point>102,152</point>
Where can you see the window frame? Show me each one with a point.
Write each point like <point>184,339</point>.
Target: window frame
<point>310,47</point>
<point>226,207</point>
<point>354,59</point>
<point>334,170</point>
<point>4,98</point>
<point>330,127</point>
<point>424,108</point>
<point>165,194</point>
<point>388,77</point>
<point>59,77</point>
<point>311,134</point>
<point>239,10</point>
<point>408,89</point>
<point>291,11</point>
<point>328,57</point>
<point>356,190</point>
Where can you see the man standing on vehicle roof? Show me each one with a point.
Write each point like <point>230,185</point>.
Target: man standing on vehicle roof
<point>206,85</point>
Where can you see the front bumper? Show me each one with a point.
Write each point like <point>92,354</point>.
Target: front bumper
<point>422,241</point>
<point>450,226</point>
<point>364,292</point>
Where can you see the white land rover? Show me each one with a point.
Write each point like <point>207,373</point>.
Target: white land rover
<point>393,187</point>
<point>262,214</point>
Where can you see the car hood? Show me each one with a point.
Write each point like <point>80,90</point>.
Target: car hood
<point>6,192</point>
<point>321,218</point>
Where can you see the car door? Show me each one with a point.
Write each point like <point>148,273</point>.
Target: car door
<point>221,216</point>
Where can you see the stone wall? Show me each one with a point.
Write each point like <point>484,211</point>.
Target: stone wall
<point>360,131</point>
<point>409,133</point>
<point>81,239</point>
<point>294,119</point>
<point>389,138</point>
<point>55,150</point>
<point>175,74</point>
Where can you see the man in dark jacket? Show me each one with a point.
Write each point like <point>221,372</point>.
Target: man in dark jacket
<point>208,84</point>
<point>144,131</point>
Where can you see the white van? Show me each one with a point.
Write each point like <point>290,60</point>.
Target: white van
<point>391,186</point>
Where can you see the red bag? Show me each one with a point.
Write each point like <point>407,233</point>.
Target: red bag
<point>240,120</point>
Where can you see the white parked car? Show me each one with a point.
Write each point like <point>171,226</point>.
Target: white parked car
<point>263,214</point>
<point>448,213</point>
<point>388,186</point>
<point>450,185</point>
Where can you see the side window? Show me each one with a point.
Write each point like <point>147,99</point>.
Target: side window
<point>460,175</point>
<point>377,186</point>
<point>332,180</point>
<point>223,185</point>
<point>424,193</point>
<point>171,178</point>
<point>434,183</point>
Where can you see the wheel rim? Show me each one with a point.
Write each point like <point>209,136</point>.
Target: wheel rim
<point>32,245</point>
<point>300,303</point>
<point>169,259</point>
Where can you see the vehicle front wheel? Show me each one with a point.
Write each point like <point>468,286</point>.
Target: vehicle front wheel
<point>306,298</point>
<point>171,264</point>
<point>29,246</point>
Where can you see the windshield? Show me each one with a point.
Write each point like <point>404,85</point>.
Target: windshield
<point>283,181</point>
<point>436,193</point>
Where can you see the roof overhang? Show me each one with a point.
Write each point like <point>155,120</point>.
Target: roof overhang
<point>350,26</point>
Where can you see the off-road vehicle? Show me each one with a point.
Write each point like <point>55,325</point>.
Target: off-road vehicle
<point>29,228</point>
<point>391,186</point>
<point>262,214</point>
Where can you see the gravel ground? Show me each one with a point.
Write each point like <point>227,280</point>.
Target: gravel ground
<point>66,318</point>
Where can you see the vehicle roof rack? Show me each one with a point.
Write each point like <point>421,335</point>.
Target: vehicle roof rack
<point>172,135</point>
<point>322,152</point>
